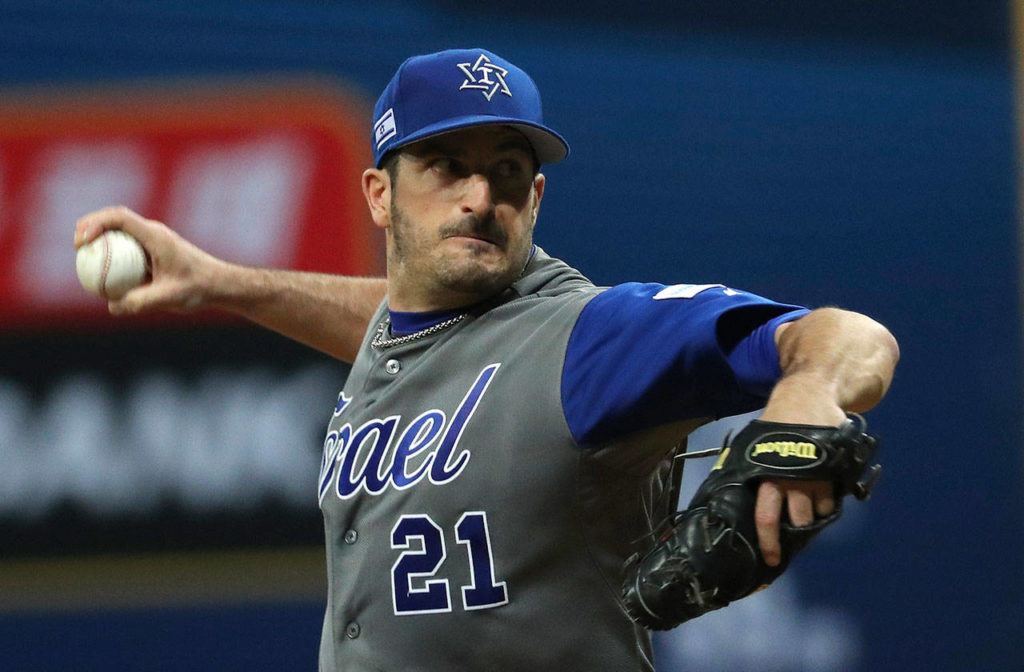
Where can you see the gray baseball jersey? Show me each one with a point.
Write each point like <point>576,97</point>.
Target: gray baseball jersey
<point>481,485</point>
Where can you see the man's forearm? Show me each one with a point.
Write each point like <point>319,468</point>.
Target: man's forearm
<point>326,312</point>
<point>832,361</point>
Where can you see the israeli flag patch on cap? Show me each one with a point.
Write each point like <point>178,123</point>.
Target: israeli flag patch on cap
<point>385,128</point>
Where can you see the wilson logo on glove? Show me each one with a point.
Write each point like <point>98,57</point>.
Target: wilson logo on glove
<point>785,454</point>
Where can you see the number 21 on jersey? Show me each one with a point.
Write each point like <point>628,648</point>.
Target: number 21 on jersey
<point>413,591</point>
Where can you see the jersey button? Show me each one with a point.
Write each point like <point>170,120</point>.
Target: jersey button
<point>393,366</point>
<point>351,536</point>
<point>352,630</point>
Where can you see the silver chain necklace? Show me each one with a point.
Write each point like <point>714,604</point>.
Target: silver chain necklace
<point>380,342</point>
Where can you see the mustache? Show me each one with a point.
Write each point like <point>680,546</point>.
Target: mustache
<point>472,226</point>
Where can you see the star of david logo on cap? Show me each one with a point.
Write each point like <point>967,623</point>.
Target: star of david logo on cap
<point>485,76</point>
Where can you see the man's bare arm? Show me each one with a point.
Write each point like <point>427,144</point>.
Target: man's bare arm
<point>326,312</point>
<point>832,361</point>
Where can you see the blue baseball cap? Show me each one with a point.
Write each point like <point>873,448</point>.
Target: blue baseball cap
<point>458,88</point>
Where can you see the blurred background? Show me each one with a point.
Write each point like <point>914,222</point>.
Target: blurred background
<point>157,475</point>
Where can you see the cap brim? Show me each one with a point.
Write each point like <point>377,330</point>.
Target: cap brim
<point>549,146</point>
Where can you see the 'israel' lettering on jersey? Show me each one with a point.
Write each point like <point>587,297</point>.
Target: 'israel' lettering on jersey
<point>379,466</point>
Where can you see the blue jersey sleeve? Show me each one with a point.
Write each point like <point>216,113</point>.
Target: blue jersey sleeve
<point>642,355</point>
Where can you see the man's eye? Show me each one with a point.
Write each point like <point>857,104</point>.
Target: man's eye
<point>509,169</point>
<point>445,165</point>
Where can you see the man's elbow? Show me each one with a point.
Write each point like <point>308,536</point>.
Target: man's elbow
<point>891,347</point>
<point>858,353</point>
<point>879,353</point>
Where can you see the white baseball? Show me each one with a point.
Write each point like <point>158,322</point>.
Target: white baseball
<point>111,265</point>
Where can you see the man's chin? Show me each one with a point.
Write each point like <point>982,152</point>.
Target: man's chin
<point>478,279</point>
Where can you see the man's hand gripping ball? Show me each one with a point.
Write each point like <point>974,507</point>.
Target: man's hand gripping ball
<point>709,556</point>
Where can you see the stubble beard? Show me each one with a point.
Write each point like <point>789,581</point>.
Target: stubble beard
<point>462,274</point>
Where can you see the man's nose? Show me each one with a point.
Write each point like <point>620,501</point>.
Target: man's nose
<point>478,197</point>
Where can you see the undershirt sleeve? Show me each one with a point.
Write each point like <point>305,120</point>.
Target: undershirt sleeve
<point>644,354</point>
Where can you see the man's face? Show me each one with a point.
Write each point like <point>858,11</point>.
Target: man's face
<point>462,211</point>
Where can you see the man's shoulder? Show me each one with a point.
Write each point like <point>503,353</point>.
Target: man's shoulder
<point>548,276</point>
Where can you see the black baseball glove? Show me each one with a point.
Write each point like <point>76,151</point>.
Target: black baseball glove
<point>708,555</point>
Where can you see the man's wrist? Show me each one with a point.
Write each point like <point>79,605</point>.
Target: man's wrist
<point>226,286</point>
<point>805,398</point>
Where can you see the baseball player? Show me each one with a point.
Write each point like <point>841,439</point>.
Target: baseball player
<point>503,438</point>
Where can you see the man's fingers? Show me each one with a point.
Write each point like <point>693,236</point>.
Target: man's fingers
<point>90,226</point>
<point>805,500</point>
<point>824,501</point>
<point>801,508</point>
<point>140,299</point>
<point>766,517</point>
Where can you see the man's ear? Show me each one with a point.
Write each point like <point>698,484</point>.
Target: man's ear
<point>538,192</point>
<point>377,190</point>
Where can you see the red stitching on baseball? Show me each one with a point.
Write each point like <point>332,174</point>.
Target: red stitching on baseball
<point>106,266</point>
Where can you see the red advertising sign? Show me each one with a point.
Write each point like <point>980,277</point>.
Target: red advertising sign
<point>265,175</point>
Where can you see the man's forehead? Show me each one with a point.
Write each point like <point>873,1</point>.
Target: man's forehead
<point>492,138</point>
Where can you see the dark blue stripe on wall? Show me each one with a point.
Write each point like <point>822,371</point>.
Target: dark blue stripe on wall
<point>251,637</point>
